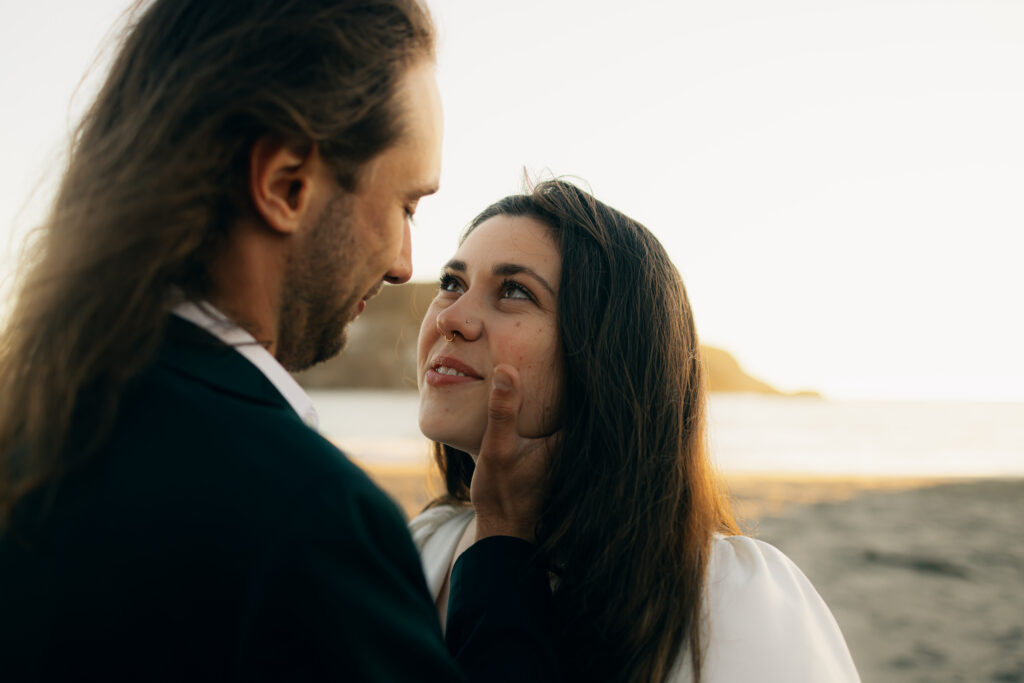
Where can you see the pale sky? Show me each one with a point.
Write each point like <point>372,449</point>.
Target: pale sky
<point>840,183</point>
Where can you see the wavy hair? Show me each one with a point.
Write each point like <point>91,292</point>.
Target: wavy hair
<point>633,502</point>
<point>156,177</point>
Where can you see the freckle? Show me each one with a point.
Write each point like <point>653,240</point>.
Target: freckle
<point>518,324</point>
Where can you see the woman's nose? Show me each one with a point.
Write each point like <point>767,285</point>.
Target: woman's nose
<point>458,321</point>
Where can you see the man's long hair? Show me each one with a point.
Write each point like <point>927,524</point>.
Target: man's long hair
<point>633,503</point>
<point>156,177</point>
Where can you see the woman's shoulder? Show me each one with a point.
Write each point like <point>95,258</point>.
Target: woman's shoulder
<point>742,561</point>
<point>765,621</point>
<point>425,525</point>
<point>436,533</point>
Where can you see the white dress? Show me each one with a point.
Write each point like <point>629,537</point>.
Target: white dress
<point>763,620</point>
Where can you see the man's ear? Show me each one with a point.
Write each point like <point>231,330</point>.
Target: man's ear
<point>282,180</point>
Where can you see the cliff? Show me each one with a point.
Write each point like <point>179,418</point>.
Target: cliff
<point>381,351</point>
<point>725,373</point>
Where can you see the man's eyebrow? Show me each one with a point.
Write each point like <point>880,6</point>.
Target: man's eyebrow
<point>423,191</point>
<point>516,269</point>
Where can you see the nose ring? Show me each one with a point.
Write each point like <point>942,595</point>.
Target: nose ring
<point>449,336</point>
<point>444,334</point>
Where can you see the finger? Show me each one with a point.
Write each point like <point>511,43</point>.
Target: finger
<point>500,436</point>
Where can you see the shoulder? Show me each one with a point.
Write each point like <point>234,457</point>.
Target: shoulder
<point>765,621</point>
<point>238,454</point>
<point>426,525</point>
<point>436,533</point>
<point>235,421</point>
<point>744,563</point>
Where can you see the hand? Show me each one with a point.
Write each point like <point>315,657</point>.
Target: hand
<point>509,481</point>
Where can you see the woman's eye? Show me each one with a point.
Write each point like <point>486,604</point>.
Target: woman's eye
<point>510,289</point>
<point>450,284</point>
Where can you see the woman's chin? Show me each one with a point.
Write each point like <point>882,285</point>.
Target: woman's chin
<point>463,442</point>
<point>464,432</point>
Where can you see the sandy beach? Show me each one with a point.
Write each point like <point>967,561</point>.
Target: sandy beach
<point>926,583</point>
<point>925,576</point>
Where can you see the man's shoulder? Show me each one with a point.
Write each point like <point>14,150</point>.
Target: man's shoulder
<point>166,401</point>
<point>241,444</point>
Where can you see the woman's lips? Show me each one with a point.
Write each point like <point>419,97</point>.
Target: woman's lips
<point>445,371</point>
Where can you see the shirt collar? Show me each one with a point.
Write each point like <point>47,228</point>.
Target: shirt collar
<point>206,316</point>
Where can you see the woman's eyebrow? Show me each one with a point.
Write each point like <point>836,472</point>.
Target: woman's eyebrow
<point>516,269</point>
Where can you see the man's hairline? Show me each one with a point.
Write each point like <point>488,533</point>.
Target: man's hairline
<point>403,108</point>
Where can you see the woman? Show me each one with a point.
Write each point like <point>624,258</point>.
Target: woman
<point>651,582</point>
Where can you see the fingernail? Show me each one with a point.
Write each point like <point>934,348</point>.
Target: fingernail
<point>502,380</point>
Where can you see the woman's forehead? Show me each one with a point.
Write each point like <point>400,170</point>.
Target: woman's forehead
<point>512,239</point>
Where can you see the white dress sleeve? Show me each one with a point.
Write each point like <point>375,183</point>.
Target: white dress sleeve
<point>765,622</point>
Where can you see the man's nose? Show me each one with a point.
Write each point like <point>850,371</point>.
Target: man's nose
<point>401,270</point>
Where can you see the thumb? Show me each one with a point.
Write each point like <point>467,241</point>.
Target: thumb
<point>502,412</point>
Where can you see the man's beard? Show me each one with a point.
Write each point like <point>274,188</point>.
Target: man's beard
<point>315,309</point>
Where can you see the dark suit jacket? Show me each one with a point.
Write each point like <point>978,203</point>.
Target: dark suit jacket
<point>216,537</point>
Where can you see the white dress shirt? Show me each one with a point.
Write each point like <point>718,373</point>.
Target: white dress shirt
<point>206,316</point>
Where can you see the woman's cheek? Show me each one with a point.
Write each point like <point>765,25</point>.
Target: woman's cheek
<point>540,379</point>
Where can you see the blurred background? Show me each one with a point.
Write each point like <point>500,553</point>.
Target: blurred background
<point>840,186</point>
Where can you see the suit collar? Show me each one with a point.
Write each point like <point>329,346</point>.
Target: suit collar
<point>206,316</point>
<point>190,350</point>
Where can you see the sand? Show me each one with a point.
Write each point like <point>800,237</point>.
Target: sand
<point>924,576</point>
<point>927,584</point>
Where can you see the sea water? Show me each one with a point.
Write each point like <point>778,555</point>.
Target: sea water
<point>754,433</point>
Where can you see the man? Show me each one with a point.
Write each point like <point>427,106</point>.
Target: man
<point>241,187</point>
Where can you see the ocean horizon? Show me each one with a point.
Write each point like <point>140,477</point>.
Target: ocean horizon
<point>754,433</point>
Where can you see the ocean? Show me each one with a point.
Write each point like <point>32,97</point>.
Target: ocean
<point>756,434</point>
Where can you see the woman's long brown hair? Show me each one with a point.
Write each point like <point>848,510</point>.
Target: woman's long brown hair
<point>157,175</point>
<point>633,502</point>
